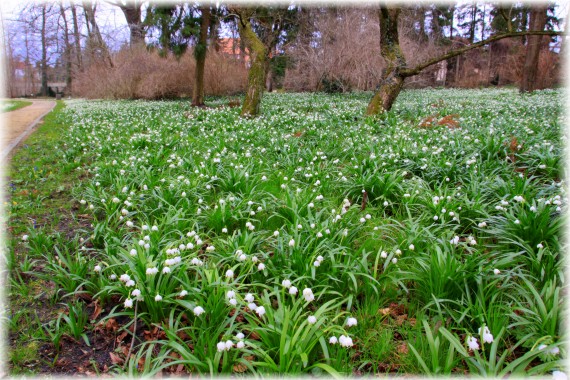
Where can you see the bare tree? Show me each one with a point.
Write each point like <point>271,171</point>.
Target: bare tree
<point>96,46</point>
<point>133,12</point>
<point>200,55</point>
<point>397,69</point>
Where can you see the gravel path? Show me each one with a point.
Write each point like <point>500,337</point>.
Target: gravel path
<point>19,124</point>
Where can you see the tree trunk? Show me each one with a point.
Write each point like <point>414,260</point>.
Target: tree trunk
<point>200,56</point>
<point>43,63</point>
<point>95,37</point>
<point>132,14</point>
<point>392,81</point>
<point>256,74</point>
<point>530,69</point>
<point>77,38</point>
<point>68,78</point>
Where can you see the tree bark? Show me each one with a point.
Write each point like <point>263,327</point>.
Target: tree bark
<point>95,37</point>
<point>391,81</point>
<point>76,37</point>
<point>530,69</point>
<point>43,63</point>
<point>200,56</point>
<point>256,74</point>
<point>68,76</point>
<point>132,12</point>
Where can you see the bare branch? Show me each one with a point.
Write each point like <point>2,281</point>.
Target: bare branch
<point>454,53</point>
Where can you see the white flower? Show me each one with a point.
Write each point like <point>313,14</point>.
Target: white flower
<point>229,344</point>
<point>276,233</point>
<point>224,230</point>
<point>133,252</point>
<point>317,263</point>
<point>261,266</point>
<point>542,347</point>
<point>286,283</point>
<point>312,320</point>
<point>125,277</point>
<point>383,254</point>
<point>183,293</point>
<point>249,297</point>
<point>152,270</point>
<point>487,337</point>
<point>240,344</point>
<point>233,301</point>
<point>129,283</point>
<point>130,224</point>
<point>252,306</point>
<point>113,276</point>
<point>221,346</point>
<point>412,247</point>
<point>166,270</point>
<point>351,322</point>
<point>559,375</point>
<point>308,294</point>
<point>320,258</point>
<point>496,271</point>
<point>539,245</point>
<point>25,237</point>
<point>554,351</point>
<point>136,293</point>
<point>345,341</point>
<point>229,273</point>
<point>198,310</point>
<point>472,343</point>
<point>333,340</point>
<point>291,243</point>
<point>455,240</point>
<point>97,268</point>
<point>158,298</point>
<point>394,260</point>
<point>293,290</point>
<point>128,303</point>
<point>240,336</point>
<point>260,310</point>
<point>154,228</point>
<point>231,294</point>
<point>482,224</point>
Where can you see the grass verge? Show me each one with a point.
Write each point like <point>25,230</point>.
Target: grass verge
<point>12,105</point>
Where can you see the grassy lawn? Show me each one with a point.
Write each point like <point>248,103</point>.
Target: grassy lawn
<point>12,105</point>
<point>151,237</point>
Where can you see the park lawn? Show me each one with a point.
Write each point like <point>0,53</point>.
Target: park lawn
<point>12,105</point>
<point>309,240</point>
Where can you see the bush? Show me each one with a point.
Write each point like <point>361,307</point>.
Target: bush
<point>142,74</point>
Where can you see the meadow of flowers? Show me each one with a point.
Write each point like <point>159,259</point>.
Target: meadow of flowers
<point>315,240</point>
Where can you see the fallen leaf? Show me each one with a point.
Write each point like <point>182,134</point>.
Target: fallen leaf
<point>384,311</point>
<point>121,337</point>
<point>112,325</point>
<point>402,348</point>
<point>116,359</point>
<point>239,368</point>
<point>98,309</point>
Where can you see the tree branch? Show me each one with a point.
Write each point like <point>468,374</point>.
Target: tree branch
<point>454,53</point>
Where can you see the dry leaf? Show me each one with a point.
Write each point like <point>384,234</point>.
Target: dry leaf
<point>385,311</point>
<point>402,348</point>
<point>115,359</point>
<point>121,337</point>
<point>239,368</point>
<point>112,325</point>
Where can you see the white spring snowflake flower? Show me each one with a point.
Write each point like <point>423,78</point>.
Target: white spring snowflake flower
<point>230,294</point>
<point>128,303</point>
<point>496,271</point>
<point>249,297</point>
<point>286,283</point>
<point>166,270</point>
<point>291,243</point>
<point>312,319</point>
<point>230,273</point>
<point>125,277</point>
<point>333,340</point>
<point>293,290</point>
<point>221,346</point>
<point>233,301</point>
<point>260,310</point>
<point>261,267</point>
<point>133,252</point>
<point>240,344</point>
<point>412,247</point>
<point>472,343</point>
<point>183,293</point>
<point>152,271</point>
<point>486,335</point>
<point>97,268</point>
<point>345,341</point>
<point>136,293</point>
<point>130,283</point>
<point>158,298</point>
<point>307,294</point>
<point>351,322</point>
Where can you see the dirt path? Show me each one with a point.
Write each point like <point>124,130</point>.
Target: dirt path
<point>18,124</point>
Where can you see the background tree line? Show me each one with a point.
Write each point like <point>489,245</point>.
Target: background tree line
<point>189,50</point>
